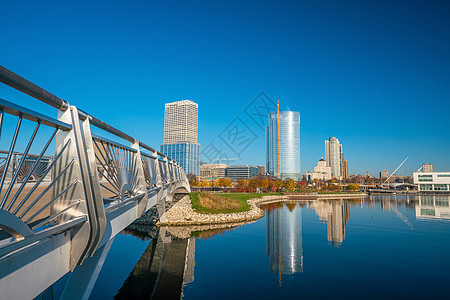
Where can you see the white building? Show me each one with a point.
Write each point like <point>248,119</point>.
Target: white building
<point>213,170</point>
<point>180,122</point>
<point>334,157</point>
<point>433,181</point>
<point>321,171</point>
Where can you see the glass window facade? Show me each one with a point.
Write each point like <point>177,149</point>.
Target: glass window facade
<point>186,154</point>
<point>426,187</point>
<point>425,177</point>
<point>440,187</point>
<point>289,145</point>
<point>238,172</point>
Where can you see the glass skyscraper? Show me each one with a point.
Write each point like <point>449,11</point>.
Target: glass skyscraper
<point>186,154</point>
<point>289,145</point>
<point>180,135</point>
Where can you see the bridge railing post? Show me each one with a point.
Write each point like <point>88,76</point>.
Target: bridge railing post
<point>158,180</point>
<point>80,236</point>
<point>84,172</point>
<point>141,184</point>
<point>94,181</point>
<point>162,192</point>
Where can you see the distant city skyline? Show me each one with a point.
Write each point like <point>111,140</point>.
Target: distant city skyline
<point>367,73</point>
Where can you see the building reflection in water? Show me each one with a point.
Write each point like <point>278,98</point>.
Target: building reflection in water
<point>336,214</point>
<point>162,271</point>
<point>433,206</point>
<point>284,238</point>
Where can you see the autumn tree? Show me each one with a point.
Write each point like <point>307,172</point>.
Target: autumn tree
<point>278,184</point>
<point>196,183</point>
<point>352,187</point>
<point>290,185</point>
<point>224,182</point>
<point>242,183</point>
<point>205,183</point>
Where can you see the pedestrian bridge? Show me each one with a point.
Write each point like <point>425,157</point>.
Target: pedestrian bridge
<point>69,184</point>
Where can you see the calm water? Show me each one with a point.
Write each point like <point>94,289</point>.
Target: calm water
<point>390,247</point>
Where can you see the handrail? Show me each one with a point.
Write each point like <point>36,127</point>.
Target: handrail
<point>21,84</point>
<point>148,155</point>
<point>119,145</point>
<point>28,114</point>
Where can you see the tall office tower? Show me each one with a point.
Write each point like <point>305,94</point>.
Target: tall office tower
<point>180,122</point>
<point>334,157</point>
<point>283,154</point>
<point>345,169</point>
<point>180,135</point>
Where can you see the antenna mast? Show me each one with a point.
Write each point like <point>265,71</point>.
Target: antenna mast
<point>278,136</point>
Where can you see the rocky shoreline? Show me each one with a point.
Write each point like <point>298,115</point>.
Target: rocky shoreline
<point>184,232</point>
<point>182,214</point>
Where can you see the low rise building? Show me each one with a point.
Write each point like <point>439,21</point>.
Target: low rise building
<point>213,171</point>
<point>261,170</point>
<point>242,171</point>
<point>433,181</point>
<point>321,171</point>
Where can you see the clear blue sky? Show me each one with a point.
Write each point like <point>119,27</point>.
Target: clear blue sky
<point>375,74</point>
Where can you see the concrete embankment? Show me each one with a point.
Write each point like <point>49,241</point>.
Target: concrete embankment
<point>182,214</point>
